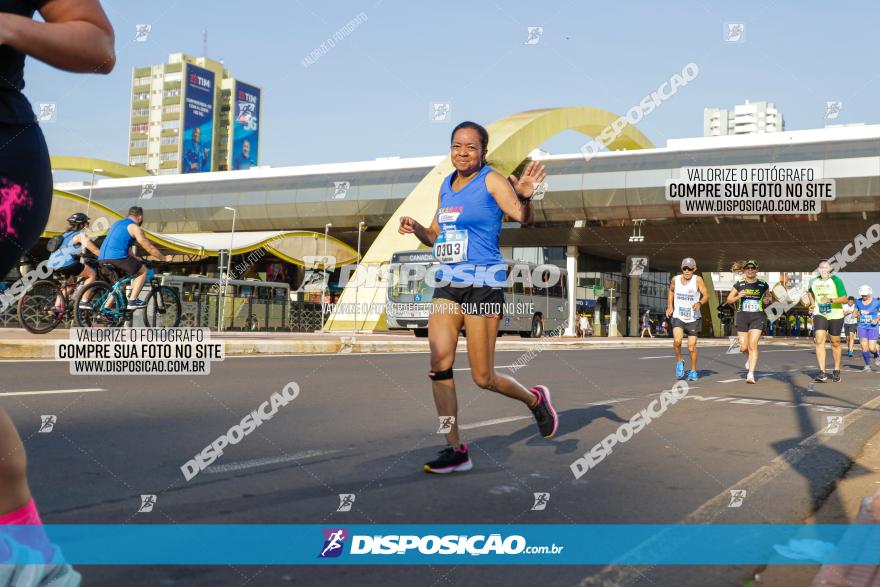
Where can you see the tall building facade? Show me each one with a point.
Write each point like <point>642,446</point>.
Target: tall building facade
<point>745,119</point>
<point>190,115</point>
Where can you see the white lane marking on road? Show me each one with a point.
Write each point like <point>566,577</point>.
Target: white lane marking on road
<point>51,391</point>
<point>492,422</point>
<point>787,461</point>
<point>241,465</point>
<point>660,357</point>
<point>731,380</point>
<point>611,401</point>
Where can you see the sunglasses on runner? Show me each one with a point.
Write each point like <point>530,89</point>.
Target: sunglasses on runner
<point>687,268</point>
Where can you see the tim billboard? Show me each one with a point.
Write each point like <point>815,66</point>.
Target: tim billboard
<point>198,120</point>
<point>245,126</point>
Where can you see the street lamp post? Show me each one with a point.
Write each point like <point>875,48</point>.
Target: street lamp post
<point>324,271</point>
<point>228,266</point>
<point>91,186</point>
<point>362,226</point>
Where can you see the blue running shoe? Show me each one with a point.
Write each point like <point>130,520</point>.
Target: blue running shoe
<point>692,375</point>
<point>679,369</point>
<point>136,304</point>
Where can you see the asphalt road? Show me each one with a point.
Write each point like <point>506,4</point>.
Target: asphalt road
<point>365,424</point>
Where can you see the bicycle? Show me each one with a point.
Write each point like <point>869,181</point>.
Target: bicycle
<point>107,305</point>
<point>38,309</point>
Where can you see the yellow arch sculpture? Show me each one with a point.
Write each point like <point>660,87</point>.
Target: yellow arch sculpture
<point>290,246</point>
<point>510,141</point>
<point>88,165</point>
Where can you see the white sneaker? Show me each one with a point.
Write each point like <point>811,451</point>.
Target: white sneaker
<point>877,361</point>
<point>867,369</point>
<point>750,378</point>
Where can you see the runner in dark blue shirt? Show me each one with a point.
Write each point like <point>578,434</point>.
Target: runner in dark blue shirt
<point>464,235</point>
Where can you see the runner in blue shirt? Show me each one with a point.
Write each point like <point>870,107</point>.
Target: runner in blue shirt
<point>868,315</point>
<point>464,235</point>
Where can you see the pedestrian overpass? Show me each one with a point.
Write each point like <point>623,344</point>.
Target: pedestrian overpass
<point>590,206</point>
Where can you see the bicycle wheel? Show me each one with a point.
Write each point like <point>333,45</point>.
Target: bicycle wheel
<point>103,309</point>
<point>37,312</point>
<point>163,309</point>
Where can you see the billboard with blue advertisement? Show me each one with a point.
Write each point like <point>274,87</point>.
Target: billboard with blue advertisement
<point>245,126</point>
<point>198,120</point>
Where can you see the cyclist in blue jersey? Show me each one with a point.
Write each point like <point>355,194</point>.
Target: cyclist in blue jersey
<point>867,312</point>
<point>67,259</point>
<point>464,235</point>
<point>116,250</point>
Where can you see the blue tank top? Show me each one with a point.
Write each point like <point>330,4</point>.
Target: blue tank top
<point>118,241</point>
<point>63,256</point>
<point>474,210</point>
<point>868,312</point>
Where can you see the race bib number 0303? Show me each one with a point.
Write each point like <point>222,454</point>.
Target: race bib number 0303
<point>451,246</point>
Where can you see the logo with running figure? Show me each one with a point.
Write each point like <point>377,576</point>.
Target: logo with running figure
<point>346,500</point>
<point>541,501</point>
<point>533,35</point>
<point>340,189</point>
<point>148,189</point>
<point>141,32</point>
<point>148,502</point>
<point>734,346</point>
<point>833,425</point>
<point>737,497</point>
<point>446,423</point>
<point>637,265</point>
<point>832,109</point>
<point>734,32</point>
<point>440,112</point>
<point>47,112</point>
<point>334,542</point>
<point>47,423</point>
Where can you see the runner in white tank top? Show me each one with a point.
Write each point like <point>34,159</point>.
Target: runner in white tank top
<point>686,294</point>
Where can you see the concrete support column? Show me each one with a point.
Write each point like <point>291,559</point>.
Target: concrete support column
<point>712,305</point>
<point>571,254</point>
<point>634,282</point>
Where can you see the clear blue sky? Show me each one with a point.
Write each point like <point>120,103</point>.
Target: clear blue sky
<point>369,96</point>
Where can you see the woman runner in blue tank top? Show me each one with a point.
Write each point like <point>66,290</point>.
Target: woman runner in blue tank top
<point>464,235</point>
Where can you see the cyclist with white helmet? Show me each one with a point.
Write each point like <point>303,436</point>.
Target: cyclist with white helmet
<point>868,314</point>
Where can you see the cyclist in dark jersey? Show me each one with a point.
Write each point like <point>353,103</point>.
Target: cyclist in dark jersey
<point>749,295</point>
<point>76,36</point>
<point>464,234</point>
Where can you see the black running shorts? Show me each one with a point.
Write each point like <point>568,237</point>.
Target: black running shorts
<point>25,191</point>
<point>746,321</point>
<point>474,300</point>
<point>834,327</point>
<point>128,266</point>
<point>690,328</point>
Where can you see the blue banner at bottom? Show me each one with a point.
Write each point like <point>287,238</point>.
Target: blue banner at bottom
<point>528,544</point>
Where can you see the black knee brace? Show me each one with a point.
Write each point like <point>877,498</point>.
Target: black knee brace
<point>440,375</point>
